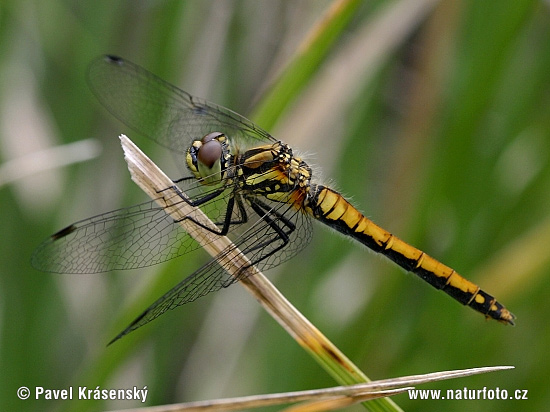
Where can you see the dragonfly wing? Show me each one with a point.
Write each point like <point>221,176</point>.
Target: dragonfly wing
<point>128,238</point>
<point>260,241</point>
<point>161,111</point>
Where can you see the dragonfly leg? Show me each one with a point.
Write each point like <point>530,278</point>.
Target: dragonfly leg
<point>264,211</point>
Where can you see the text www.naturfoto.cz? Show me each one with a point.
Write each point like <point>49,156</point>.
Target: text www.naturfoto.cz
<point>467,394</point>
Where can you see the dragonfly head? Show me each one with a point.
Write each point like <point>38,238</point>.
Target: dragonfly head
<point>207,158</point>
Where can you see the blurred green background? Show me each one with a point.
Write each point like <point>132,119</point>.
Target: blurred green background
<point>432,116</point>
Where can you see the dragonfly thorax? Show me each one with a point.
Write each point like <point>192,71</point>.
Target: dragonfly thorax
<point>275,173</point>
<point>207,158</point>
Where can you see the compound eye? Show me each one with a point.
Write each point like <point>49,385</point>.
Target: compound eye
<point>210,152</point>
<point>211,136</point>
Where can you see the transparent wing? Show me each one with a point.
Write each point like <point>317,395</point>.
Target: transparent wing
<point>110,241</point>
<point>267,233</point>
<point>128,238</point>
<point>277,236</point>
<point>161,111</point>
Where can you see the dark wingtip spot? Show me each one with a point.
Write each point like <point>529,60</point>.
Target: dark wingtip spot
<point>63,232</point>
<point>131,327</point>
<point>113,59</point>
<point>114,339</point>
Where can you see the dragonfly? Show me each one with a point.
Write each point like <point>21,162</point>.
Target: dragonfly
<point>251,185</point>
